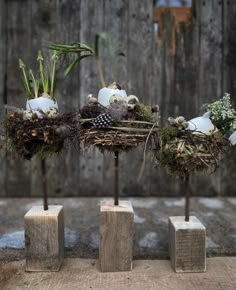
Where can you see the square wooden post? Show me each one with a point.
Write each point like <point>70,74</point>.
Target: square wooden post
<point>44,238</point>
<point>116,236</point>
<point>187,244</point>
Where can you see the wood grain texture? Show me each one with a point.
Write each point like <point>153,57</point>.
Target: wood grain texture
<point>3,75</point>
<point>201,70</point>
<point>116,236</point>
<point>187,244</point>
<point>44,238</point>
<point>147,274</point>
<point>18,33</point>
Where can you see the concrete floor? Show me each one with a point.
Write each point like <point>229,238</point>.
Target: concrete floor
<point>151,216</point>
<point>146,275</point>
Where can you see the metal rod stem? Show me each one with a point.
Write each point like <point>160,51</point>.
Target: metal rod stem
<point>44,184</point>
<point>187,195</point>
<point>116,189</point>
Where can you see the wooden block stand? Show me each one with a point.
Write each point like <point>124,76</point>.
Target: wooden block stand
<point>44,238</point>
<point>187,244</point>
<point>116,236</point>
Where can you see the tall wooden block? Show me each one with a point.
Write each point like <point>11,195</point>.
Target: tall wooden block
<point>44,238</point>
<point>187,244</point>
<point>116,236</point>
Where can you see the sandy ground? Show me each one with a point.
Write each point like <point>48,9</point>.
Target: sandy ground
<point>146,274</point>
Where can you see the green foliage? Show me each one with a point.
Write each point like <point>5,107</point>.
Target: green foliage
<point>35,84</point>
<point>222,114</point>
<point>25,79</point>
<point>38,83</point>
<point>78,50</point>
<point>142,113</point>
<point>53,73</point>
<point>168,133</point>
<point>43,76</point>
<point>113,54</point>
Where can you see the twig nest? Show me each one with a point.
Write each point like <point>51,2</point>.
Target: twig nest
<point>182,152</point>
<point>201,124</point>
<point>132,101</point>
<point>105,94</point>
<point>41,105</point>
<point>40,136</point>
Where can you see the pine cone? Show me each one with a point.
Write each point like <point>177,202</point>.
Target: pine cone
<point>102,121</point>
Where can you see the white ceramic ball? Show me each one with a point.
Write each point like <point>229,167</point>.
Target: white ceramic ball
<point>232,138</point>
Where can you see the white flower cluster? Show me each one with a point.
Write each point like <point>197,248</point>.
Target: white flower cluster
<point>222,114</point>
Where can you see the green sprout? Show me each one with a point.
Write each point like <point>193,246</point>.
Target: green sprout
<point>43,75</point>
<point>80,50</point>
<point>25,79</point>
<point>53,74</point>
<point>35,84</point>
<point>113,53</point>
<point>40,84</point>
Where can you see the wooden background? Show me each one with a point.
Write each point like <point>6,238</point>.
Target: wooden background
<point>201,69</point>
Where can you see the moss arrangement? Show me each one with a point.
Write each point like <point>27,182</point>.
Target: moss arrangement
<point>183,153</point>
<point>40,136</point>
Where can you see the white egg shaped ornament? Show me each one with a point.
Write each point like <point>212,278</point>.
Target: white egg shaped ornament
<point>28,115</point>
<point>201,125</point>
<point>41,104</point>
<point>105,94</point>
<point>232,138</point>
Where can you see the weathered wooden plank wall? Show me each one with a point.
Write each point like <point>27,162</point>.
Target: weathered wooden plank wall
<point>202,68</point>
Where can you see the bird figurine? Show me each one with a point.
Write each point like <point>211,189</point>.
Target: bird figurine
<point>118,107</point>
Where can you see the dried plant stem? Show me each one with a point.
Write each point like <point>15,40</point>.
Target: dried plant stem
<point>44,183</point>
<point>100,73</point>
<point>136,122</point>
<point>83,121</point>
<point>128,129</point>
<point>144,152</point>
